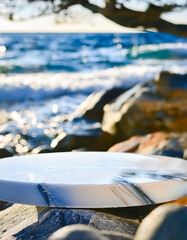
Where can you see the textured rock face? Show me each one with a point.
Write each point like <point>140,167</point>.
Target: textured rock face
<point>92,107</point>
<point>168,222</point>
<point>149,109</point>
<point>21,222</point>
<point>159,143</point>
<point>16,218</point>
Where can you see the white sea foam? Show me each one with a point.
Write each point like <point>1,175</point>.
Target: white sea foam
<point>40,86</point>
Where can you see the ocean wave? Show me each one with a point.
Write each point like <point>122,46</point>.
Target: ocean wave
<point>158,51</point>
<point>41,86</point>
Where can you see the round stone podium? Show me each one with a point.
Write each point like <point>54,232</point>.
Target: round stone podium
<point>92,179</point>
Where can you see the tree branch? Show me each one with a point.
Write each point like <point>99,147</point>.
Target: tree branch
<point>123,16</point>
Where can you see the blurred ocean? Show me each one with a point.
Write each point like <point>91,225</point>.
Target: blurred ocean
<point>45,76</point>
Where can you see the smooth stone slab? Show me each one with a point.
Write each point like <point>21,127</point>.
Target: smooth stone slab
<point>92,179</point>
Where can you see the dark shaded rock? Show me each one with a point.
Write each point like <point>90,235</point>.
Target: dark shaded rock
<point>6,151</point>
<point>168,222</point>
<point>90,139</point>
<point>134,214</point>
<point>143,110</point>
<point>171,85</point>
<point>158,143</point>
<point>41,149</point>
<point>92,107</point>
<point>2,205</point>
<point>169,153</point>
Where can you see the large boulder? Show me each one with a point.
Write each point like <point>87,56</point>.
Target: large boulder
<point>76,232</point>
<point>92,107</point>
<point>158,143</point>
<point>159,105</point>
<point>168,222</point>
<point>84,232</point>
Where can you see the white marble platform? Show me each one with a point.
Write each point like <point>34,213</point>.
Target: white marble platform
<point>92,179</point>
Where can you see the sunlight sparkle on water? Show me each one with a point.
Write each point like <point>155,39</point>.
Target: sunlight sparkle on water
<point>2,49</point>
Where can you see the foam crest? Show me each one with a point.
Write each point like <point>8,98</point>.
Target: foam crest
<point>41,86</point>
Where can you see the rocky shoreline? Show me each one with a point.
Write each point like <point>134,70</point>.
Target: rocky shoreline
<point>25,222</point>
<point>155,110</point>
<point>150,118</point>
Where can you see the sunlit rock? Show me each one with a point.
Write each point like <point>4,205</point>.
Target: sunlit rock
<point>159,143</point>
<point>144,110</point>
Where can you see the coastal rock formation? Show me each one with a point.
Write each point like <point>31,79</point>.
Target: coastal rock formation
<point>92,107</point>
<point>168,222</point>
<point>21,222</point>
<point>156,106</point>
<point>158,143</point>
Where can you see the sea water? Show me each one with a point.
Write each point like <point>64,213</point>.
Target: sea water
<point>44,77</point>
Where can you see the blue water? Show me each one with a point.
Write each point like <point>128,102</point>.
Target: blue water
<point>83,52</point>
<point>44,77</point>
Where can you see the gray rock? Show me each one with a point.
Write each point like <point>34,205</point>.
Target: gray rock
<point>109,222</point>
<point>83,232</point>
<point>168,222</point>
<point>116,236</point>
<point>15,218</point>
<point>76,232</point>
<point>21,222</point>
<point>92,107</point>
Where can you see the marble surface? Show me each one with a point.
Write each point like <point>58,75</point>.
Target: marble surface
<point>92,179</point>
